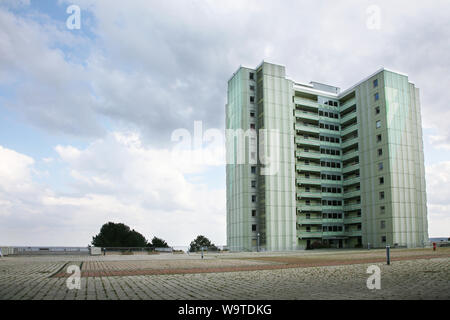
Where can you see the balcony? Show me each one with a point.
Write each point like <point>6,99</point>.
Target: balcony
<point>309,208</point>
<point>306,115</point>
<point>333,220</point>
<point>306,221</point>
<point>325,156</point>
<point>308,129</point>
<point>352,207</point>
<point>330,144</point>
<point>307,181</point>
<point>351,181</point>
<point>331,195</point>
<point>348,104</point>
<point>352,194</point>
<point>333,234</point>
<point>309,155</point>
<point>304,194</point>
<point>349,116</point>
<point>308,168</point>
<point>328,131</point>
<point>310,234</point>
<point>332,182</point>
<point>350,142</point>
<point>351,168</point>
<point>305,102</point>
<point>350,155</point>
<point>331,208</point>
<point>351,220</point>
<point>353,233</point>
<point>309,142</point>
<point>329,169</point>
<point>349,129</point>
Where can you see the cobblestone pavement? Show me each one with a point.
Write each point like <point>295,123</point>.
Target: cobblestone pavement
<point>33,278</point>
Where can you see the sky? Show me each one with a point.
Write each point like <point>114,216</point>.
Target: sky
<point>91,118</point>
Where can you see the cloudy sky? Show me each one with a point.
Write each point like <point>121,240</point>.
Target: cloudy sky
<point>89,116</point>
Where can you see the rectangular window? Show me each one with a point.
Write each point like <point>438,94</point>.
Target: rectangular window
<point>377,110</point>
<point>253,198</point>
<point>380,152</point>
<point>380,166</point>
<point>379,138</point>
<point>252,88</point>
<point>253,169</point>
<point>252,126</point>
<point>383,238</point>
<point>375,83</point>
<point>253,227</point>
<point>252,76</point>
<point>382,209</point>
<point>252,99</point>
<point>382,224</point>
<point>381,179</point>
<point>252,114</point>
<point>378,124</point>
<point>254,213</point>
<point>253,183</point>
<point>382,195</point>
<point>377,96</point>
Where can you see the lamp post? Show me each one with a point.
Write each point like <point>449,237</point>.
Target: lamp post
<point>388,255</point>
<point>257,242</point>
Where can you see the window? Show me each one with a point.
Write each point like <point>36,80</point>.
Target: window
<point>379,138</point>
<point>252,99</point>
<point>254,213</point>
<point>378,124</point>
<point>253,198</point>
<point>380,166</point>
<point>377,110</point>
<point>375,83</point>
<point>253,183</point>
<point>377,96</point>
<point>382,209</point>
<point>382,195</point>
<point>253,227</point>
<point>383,238</point>
<point>253,169</point>
<point>380,152</point>
<point>252,88</point>
<point>252,114</point>
<point>381,179</point>
<point>252,76</point>
<point>252,126</point>
<point>382,224</point>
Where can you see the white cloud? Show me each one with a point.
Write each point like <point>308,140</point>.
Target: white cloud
<point>438,195</point>
<point>114,179</point>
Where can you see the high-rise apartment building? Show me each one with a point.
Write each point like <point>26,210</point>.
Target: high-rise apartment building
<point>346,168</point>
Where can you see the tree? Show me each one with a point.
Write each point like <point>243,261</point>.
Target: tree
<point>158,243</point>
<point>202,241</point>
<point>118,235</point>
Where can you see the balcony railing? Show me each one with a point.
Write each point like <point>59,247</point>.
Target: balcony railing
<point>350,155</point>
<point>349,220</point>
<point>306,167</point>
<point>351,181</point>
<point>351,168</point>
<point>306,115</point>
<point>350,142</point>
<point>351,207</point>
<point>305,102</point>
<point>313,129</point>
<point>352,194</point>
<point>310,142</point>
<point>310,234</point>
<point>309,154</point>
<point>348,104</point>
<point>349,129</point>
<point>348,116</point>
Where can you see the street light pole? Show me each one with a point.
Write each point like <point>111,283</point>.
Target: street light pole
<point>257,241</point>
